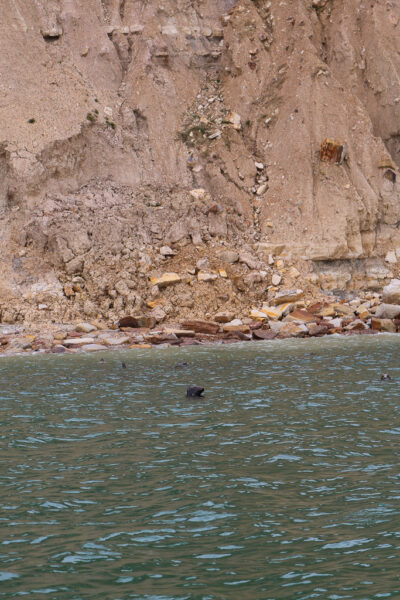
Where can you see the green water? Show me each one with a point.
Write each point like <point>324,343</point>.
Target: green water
<point>282,483</point>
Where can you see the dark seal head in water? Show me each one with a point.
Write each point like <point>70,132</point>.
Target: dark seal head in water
<point>194,391</point>
<point>386,377</point>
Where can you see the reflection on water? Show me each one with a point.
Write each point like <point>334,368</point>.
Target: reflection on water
<point>283,482</point>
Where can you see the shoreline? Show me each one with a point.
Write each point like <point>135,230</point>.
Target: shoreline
<point>286,320</point>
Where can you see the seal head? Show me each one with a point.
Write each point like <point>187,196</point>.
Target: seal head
<point>194,391</point>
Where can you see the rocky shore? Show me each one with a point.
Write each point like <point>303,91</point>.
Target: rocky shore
<point>289,314</point>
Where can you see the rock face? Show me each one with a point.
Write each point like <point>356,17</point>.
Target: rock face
<point>131,126</point>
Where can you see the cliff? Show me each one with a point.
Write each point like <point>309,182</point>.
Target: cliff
<point>138,138</point>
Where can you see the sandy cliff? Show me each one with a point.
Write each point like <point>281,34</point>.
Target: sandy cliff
<point>194,127</point>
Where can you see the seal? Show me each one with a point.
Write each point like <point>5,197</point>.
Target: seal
<point>386,377</point>
<point>194,391</point>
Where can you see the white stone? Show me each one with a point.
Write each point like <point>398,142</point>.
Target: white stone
<point>259,166</point>
<point>197,194</point>
<point>85,328</point>
<point>391,292</point>
<point>203,276</point>
<point>391,257</point>
<point>115,341</point>
<point>77,341</point>
<point>93,347</point>
<point>235,322</point>
<point>166,251</point>
<point>261,189</point>
<point>276,279</point>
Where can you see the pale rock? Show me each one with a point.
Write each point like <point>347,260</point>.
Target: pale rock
<point>277,312</point>
<point>166,280</point>
<point>259,166</point>
<point>180,332</point>
<point>258,315</point>
<point>294,273</point>
<point>253,278</point>
<point>60,335</point>
<point>362,311</point>
<point>207,277</point>
<point>387,311</point>
<point>235,323</point>
<point>280,263</point>
<point>85,328</point>
<point>337,322</point>
<point>159,314</point>
<point>276,279</point>
<point>203,264</point>
<point>110,340</point>
<point>391,292</point>
<point>76,342</point>
<point>343,309</point>
<point>74,266</point>
<point>276,326</point>
<point>285,296</point>
<point>166,251</point>
<point>293,330</point>
<point>198,194</point>
<point>235,120</point>
<point>383,325</point>
<point>93,347</point>
<point>261,189</point>
<point>391,257</point>
<point>249,260</point>
<point>228,256</point>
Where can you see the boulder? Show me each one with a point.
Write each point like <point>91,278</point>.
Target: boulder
<point>111,340</point>
<point>166,280</point>
<point>85,328</point>
<point>209,327</point>
<point>228,256</point>
<point>137,321</point>
<point>264,334</point>
<point>77,341</point>
<point>228,327</point>
<point>276,326</point>
<point>363,311</point>
<point>285,296</point>
<point>257,314</point>
<point>224,317</point>
<point>357,324</point>
<point>276,312</point>
<point>293,330</point>
<point>93,347</point>
<point>383,325</point>
<point>300,315</point>
<point>166,251</point>
<point>162,337</point>
<point>58,349</point>
<point>387,311</point>
<point>316,330</point>
<point>343,310</point>
<point>179,333</point>
<point>391,292</point>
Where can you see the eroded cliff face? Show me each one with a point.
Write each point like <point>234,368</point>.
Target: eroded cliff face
<point>113,111</point>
